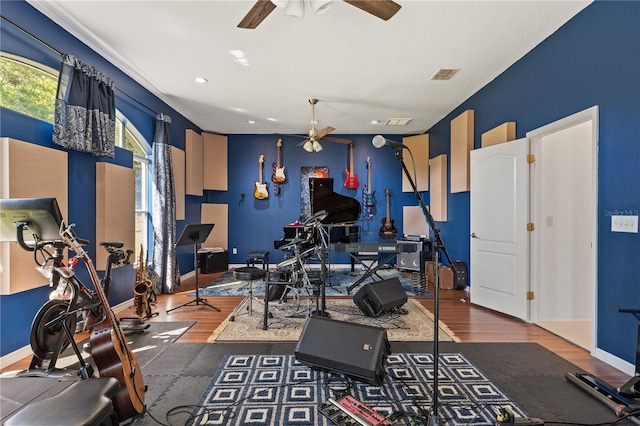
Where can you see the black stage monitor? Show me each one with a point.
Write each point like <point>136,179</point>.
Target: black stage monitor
<point>42,216</point>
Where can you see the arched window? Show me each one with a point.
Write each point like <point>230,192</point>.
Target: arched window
<point>30,88</point>
<point>27,87</point>
<point>129,138</point>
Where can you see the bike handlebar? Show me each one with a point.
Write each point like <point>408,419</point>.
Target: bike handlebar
<point>39,244</point>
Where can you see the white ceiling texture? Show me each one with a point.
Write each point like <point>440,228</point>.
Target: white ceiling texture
<point>361,68</point>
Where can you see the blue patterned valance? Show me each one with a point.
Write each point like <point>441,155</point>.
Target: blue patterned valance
<point>85,112</point>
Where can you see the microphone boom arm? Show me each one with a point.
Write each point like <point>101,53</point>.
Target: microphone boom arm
<point>437,239</point>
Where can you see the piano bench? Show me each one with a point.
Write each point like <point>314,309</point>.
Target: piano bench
<point>258,257</point>
<point>86,402</point>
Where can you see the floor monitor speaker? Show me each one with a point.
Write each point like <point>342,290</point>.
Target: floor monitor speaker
<point>354,350</point>
<point>376,298</point>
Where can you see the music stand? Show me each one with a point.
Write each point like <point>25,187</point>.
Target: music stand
<point>195,234</point>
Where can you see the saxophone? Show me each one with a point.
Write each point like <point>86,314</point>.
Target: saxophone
<point>141,287</point>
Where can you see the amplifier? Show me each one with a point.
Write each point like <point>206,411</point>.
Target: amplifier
<point>213,261</point>
<point>413,261</point>
<point>354,350</point>
<point>378,297</point>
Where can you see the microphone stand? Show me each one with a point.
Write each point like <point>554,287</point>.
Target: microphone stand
<point>438,244</point>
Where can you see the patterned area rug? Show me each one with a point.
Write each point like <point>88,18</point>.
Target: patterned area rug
<point>287,322</point>
<point>270,390</point>
<point>339,282</point>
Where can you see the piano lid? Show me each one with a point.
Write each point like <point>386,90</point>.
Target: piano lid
<point>339,208</point>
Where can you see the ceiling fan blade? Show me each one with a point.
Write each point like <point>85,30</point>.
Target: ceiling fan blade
<point>260,10</point>
<point>383,9</point>
<point>303,142</point>
<point>338,140</point>
<point>320,133</point>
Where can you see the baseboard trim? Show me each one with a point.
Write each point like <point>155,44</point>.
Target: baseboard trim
<point>615,362</point>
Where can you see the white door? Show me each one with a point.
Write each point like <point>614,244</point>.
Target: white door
<point>499,237</point>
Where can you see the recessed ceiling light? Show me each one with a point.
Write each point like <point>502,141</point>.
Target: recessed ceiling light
<point>200,80</point>
<point>271,119</point>
<point>375,121</point>
<point>251,121</point>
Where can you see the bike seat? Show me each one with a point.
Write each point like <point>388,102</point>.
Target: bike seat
<point>114,244</point>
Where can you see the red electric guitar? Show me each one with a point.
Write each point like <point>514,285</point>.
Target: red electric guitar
<point>351,182</point>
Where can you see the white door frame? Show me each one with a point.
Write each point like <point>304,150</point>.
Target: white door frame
<point>535,136</point>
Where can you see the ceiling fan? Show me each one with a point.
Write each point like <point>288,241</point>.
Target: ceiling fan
<point>311,142</point>
<point>383,9</point>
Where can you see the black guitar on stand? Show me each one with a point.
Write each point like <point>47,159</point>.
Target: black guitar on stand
<point>388,231</point>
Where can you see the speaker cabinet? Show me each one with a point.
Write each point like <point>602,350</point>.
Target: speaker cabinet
<point>414,260</point>
<point>213,261</point>
<point>354,350</point>
<point>375,298</point>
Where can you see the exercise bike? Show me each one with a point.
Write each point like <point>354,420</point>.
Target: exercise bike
<point>56,322</point>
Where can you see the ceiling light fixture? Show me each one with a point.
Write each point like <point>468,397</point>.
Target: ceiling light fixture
<point>312,146</point>
<point>200,80</point>
<point>251,121</point>
<point>297,7</point>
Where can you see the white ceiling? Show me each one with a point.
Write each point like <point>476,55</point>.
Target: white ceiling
<point>360,67</point>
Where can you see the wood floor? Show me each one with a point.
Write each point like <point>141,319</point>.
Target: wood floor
<point>469,322</point>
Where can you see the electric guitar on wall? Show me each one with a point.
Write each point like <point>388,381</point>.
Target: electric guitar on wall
<point>278,175</point>
<point>260,192</point>
<point>368,196</point>
<point>388,231</point>
<point>351,182</point>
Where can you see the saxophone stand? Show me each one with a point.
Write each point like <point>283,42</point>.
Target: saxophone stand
<point>434,417</point>
<point>195,234</point>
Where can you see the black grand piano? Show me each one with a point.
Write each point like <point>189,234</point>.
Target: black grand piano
<point>342,213</point>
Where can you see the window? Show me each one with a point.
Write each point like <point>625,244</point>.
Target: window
<point>129,138</point>
<point>27,88</point>
<point>31,88</point>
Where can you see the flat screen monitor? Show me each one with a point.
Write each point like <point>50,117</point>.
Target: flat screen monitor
<point>42,215</point>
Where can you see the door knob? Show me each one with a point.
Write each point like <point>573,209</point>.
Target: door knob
<point>473,235</point>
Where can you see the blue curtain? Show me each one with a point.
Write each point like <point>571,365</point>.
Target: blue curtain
<point>85,111</point>
<point>165,271</point>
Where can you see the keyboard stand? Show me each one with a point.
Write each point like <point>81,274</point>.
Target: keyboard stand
<point>369,271</point>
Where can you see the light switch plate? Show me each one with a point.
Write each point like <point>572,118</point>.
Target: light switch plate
<point>624,223</point>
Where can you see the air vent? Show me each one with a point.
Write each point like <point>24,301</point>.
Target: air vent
<point>397,122</point>
<point>445,73</point>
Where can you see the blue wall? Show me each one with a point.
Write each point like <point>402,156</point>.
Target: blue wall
<point>17,310</point>
<point>592,60</point>
<point>255,224</point>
